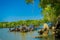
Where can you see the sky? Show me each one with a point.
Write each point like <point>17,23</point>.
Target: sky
<point>15,10</point>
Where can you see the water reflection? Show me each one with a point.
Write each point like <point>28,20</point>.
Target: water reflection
<point>6,35</point>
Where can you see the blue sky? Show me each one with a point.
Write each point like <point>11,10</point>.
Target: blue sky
<point>14,10</point>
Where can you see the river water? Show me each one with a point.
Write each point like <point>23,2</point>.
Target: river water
<point>6,35</point>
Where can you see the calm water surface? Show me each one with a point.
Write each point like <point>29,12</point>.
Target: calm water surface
<point>6,35</point>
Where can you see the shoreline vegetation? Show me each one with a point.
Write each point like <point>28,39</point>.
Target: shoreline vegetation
<point>19,23</point>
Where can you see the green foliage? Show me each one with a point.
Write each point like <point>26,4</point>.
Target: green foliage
<point>18,23</point>
<point>51,9</point>
<point>29,1</point>
<point>49,13</point>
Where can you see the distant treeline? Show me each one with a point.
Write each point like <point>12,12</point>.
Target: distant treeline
<point>18,23</point>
